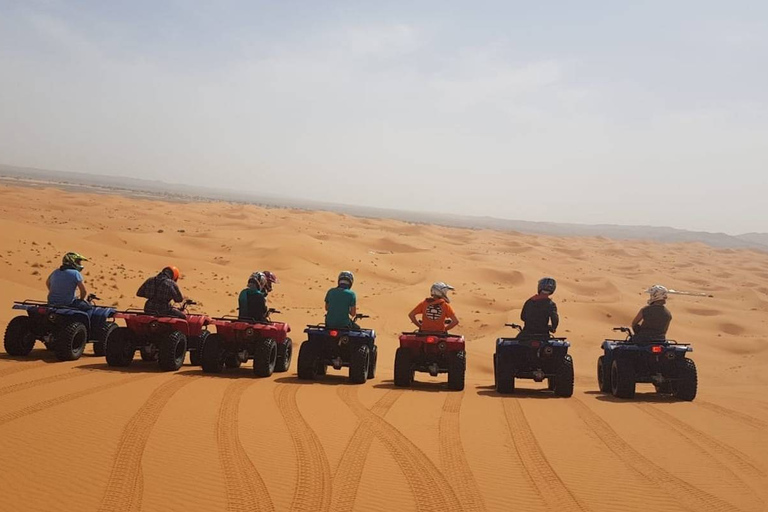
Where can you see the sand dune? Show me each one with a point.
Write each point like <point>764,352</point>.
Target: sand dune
<point>83,436</point>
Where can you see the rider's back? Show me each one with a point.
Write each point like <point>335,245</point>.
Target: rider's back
<point>339,300</point>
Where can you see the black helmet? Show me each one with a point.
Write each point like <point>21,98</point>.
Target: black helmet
<point>547,285</point>
<point>346,277</point>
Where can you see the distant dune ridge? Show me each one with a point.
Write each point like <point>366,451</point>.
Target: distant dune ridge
<point>179,191</point>
<point>81,436</point>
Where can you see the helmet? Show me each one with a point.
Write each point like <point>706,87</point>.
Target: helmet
<point>346,277</point>
<point>259,279</point>
<point>72,260</point>
<point>440,290</point>
<point>658,293</point>
<point>271,279</point>
<point>547,285</point>
<point>173,272</point>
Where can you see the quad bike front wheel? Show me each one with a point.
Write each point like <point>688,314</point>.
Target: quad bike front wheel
<point>265,357</point>
<point>101,336</point>
<point>457,369</point>
<point>374,360</point>
<point>172,351</point>
<point>564,378</point>
<point>284,355</point>
<point>503,375</point>
<point>213,355</point>
<point>686,385</point>
<point>119,348</point>
<point>623,378</point>
<point>309,364</point>
<point>196,355</point>
<point>19,339</point>
<point>604,374</point>
<point>70,340</point>
<point>403,367</point>
<point>358,364</point>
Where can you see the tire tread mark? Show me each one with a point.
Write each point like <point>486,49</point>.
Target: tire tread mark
<point>695,436</point>
<point>346,478</point>
<point>430,488</point>
<point>546,481</point>
<point>125,484</point>
<point>453,458</point>
<point>21,386</point>
<point>734,415</point>
<point>690,497</point>
<point>51,402</point>
<point>246,490</point>
<point>313,482</point>
<point>21,368</point>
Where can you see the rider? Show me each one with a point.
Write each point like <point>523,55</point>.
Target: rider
<point>341,303</point>
<point>652,321</point>
<point>540,310</point>
<point>160,291</point>
<point>252,302</point>
<point>63,282</point>
<point>434,310</point>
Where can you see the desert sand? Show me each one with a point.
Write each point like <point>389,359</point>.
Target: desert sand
<point>82,436</point>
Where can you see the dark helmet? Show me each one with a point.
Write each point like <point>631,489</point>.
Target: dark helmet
<point>73,260</point>
<point>547,285</point>
<point>346,277</point>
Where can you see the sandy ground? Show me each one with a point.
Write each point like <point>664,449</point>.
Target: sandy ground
<point>83,436</point>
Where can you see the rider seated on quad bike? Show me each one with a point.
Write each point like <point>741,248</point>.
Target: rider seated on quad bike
<point>252,302</point>
<point>160,291</point>
<point>341,303</point>
<point>65,280</point>
<point>540,310</point>
<point>652,321</point>
<point>435,310</point>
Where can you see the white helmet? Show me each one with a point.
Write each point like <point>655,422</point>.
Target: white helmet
<point>440,290</point>
<point>657,293</point>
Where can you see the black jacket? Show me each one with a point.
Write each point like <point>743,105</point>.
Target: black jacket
<point>537,313</point>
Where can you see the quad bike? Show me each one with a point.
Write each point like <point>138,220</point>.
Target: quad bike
<point>63,329</point>
<point>533,357</point>
<point>163,339</point>
<point>338,347</point>
<point>633,360</point>
<point>433,353</point>
<point>238,340</point>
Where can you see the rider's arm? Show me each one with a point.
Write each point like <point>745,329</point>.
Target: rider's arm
<point>83,291</point>
<point>177,296</point>
<point>453,322</point>
<point>554,317</point>
<point>523,313</point>
<point>48,283</point>
<point>412,315</point>
<point>353,311</point>
<point>142,291</point>
<point>637,320</point>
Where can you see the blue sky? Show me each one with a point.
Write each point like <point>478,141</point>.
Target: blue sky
<point>591,112</point>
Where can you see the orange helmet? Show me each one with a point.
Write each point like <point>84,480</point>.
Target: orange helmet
<point>175,271</point>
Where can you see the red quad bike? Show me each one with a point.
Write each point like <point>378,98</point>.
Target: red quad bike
<point>432,352</point>
<point>163,339</point>
<point>237,340</point>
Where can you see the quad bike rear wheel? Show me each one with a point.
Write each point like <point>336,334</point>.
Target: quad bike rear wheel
<point>119,347</point>
<point>196,354</point>
<point>686,385</point>
<point>284,355</point>
<point>358,364</point>
<point>505,380</point>
<point>213,355</point>
<point>70,341</point>
<point>19,339</point>
<point>604,374</point>
<point>265,357</point>
<point>172,351</point>
<point>374,360</point>
<point>623,378</point>
<point>564,378</point>
<point>309,364</point>
<point>457,369</point>
<point>403,367</point>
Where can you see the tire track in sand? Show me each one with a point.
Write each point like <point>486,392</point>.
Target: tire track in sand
<point>453,458</point>
<point>125,484</point>
<point>21,386</point>
<point>550,488</point>
<point>705,441</point>
<point>246,490</point>
<point>346,479</point>
<point>51,402</point>
<point>745,419</point>
<point>690,497</point>
<point>430,488</point>
<point>313,482</point>
<point>21,368</point>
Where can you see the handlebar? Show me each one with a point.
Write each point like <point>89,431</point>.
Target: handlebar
<point>623,329</point>
<point>273,310</point>
<point>92,297</point>
<point>515,326</point>
<point>360,316</point>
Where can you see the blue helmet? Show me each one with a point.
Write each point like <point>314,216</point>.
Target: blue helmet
<point>547,285</point>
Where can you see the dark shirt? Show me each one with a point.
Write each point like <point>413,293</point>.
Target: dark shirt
<point>656,320</point>
<point>159,292</point>
<point>537,313</point>
<point>252,305</point>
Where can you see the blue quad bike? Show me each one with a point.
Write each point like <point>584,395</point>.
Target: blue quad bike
<point>350,347</point>
<point>533,357</point>
<point>662,362</point>
<point>64,330</point>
